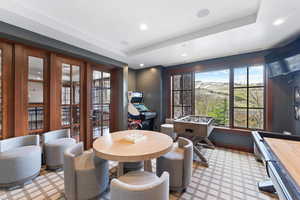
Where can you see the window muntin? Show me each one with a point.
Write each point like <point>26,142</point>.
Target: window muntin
<point>36,84</point>
<point>212,95</point>
<point>182,93</point>
<point>70,98</point>
<point>241,90</point>
<point>101,99</point>
<point>249,97</point>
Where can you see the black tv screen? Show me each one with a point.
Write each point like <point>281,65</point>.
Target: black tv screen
<point>275,69</point>
<point>293,63</point>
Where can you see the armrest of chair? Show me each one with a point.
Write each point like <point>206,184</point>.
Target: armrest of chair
<point>184,143</point>
<point>188,147</point>
<point>57,134</point>
<point>12,143</point>
<point>74,151</point>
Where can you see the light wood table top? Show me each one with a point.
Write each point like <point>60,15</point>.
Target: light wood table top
<point>115,147</point>
<point>288,152</point>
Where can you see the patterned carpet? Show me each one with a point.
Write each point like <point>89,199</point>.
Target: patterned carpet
<point>232,175</point>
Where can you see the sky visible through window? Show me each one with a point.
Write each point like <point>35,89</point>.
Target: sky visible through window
<point>212,95</point>
<point>222,76</point>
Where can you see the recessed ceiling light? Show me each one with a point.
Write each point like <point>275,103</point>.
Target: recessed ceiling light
<point>278,22</point>
<point>142,65</point>
<point>143,27</point>
<point>184,55</point>
<point>203,13</point>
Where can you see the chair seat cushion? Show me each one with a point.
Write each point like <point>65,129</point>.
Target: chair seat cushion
<point>175,154</point>
<point>87,160</point>
<point>138,178</point>
<point>92,175</point>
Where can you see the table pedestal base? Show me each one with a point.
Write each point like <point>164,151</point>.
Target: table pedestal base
<point>120,170</point>
<point>147,167</point>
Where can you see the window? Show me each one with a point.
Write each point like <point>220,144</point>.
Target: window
<point>212,96</point>
<point>70,99</point>
<point>182,92</point>
<point>35,94</point>
<point>101,99</point>
<point>248,105</point>
<point>233,97</point>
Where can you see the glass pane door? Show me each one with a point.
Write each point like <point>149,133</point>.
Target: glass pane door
<point>35,94</point>
<point>100,107</point>
<point>70,99</point>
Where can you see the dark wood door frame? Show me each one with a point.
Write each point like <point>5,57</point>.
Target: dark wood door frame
<point>21,54</point>
<point>7,90</point>
<point>88,100</point>
<point>56,91</point>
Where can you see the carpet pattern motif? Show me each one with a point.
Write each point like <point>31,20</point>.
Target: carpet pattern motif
<point>232,175</point>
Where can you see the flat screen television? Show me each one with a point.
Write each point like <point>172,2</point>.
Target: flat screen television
<point>276,69</point>
<point>293,63</point>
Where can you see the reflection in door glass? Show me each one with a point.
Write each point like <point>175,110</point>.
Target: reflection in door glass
<point>70,99</point>
<point>100,103</point>
<point>35,109</point>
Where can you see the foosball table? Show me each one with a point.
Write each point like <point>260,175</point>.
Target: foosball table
<point>197,129</point>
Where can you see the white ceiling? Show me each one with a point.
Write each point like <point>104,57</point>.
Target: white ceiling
<point>111,28</point>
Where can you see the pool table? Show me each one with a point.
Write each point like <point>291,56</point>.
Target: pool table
<point>281,155</point>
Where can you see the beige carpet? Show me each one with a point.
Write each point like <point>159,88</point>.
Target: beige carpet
<point>232,175</point>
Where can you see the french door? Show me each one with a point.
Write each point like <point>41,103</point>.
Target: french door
<point>70,96</point>
<point>100,103</point>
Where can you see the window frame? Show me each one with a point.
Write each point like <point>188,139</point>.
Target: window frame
<point>231,95</point>
<point>248,87</point>
<point>44,105</point>
<point>101,89</point>
<point>181,90</point>
<point>76,128</point>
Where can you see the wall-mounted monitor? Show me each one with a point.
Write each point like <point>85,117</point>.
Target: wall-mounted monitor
<point>293,63</point>
<point>276,69</point>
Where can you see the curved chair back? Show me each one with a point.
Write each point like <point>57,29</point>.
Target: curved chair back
<point>187,145</point>
<point>157,190</point>
<point>12,143</point>
<point>57,134</point>
<point>69,169</point>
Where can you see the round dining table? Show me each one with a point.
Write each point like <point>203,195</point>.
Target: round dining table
<point>116,147</point>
